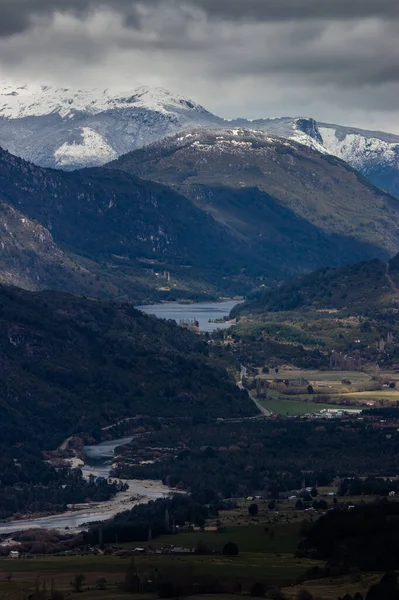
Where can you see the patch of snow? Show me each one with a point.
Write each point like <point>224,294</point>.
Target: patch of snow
<point>93,148</point>
<point>359,150</point>
<point>17,102</point>
<point>306,140</point>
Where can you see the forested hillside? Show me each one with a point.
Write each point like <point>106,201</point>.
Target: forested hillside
<point>352,310</point>
<point>298,207</point>
<point>361,287</point>
<point>115,235</point>
<point>71,365</point>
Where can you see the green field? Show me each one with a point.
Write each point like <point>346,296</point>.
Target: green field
<point>274,569</point>
<point>289,406</point>
<point>328,377</point>
<point>249,538</point>
<point>324,383</point>
<point>392,395</point>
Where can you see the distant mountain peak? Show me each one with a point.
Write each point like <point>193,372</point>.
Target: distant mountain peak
<point>66,128</point>
<point>33,100</point>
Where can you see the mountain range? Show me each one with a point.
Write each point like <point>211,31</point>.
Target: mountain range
<point>107,233</point>
<point>69,129</point>
<point>286,200</point>
<point>206,214</point>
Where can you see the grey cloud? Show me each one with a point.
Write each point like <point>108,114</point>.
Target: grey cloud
<point>300,9</point>
<point>326,58</point>
<point>18,15</point>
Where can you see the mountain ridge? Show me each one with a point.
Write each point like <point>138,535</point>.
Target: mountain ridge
<point>121,231</point>
<point>238,174</point>
<point>71,129</point>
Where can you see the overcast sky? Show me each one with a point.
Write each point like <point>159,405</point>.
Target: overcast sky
<point>335,60</point>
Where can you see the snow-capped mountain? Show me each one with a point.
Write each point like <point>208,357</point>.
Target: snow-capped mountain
<point>300,129</point>
<point>69,129</point>
<point>272,191</point>
<point>36,101</point>
<point>374,153</point>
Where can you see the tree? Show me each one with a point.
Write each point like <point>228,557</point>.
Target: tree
<point>271,505</point>
<point>257,590</point>
<point>253,510</point>
<point>77,582</point>
<point>299,504</point>
<point>230,549</point>
<point>310,389</point>
<point>314,492</point>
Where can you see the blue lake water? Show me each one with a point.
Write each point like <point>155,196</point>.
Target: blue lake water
<point>201,311</point>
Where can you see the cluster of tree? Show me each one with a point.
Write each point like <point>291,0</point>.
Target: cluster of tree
<point>361,290</point>
<point>373,486</point>
<point>43,541</point>
<point>353,287</point>
<point>366,537</point>
<point>215,460</point>
<point>149,521</point>
<point>45,489</point>
<point>256,350</point>
<point>73,366</point>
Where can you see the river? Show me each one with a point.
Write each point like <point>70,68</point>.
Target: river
<point>100,455</point>
<point>201,311</point>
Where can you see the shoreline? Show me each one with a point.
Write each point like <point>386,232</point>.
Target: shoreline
<point>77,516</point>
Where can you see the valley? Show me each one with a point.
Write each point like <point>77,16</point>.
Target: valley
<point>97,462</point>
<point>235,434</point>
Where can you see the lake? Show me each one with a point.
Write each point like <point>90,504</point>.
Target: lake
<point>201,311</point>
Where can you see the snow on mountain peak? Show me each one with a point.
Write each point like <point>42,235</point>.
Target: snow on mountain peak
<point>68,128</point>
<point>22,101</point>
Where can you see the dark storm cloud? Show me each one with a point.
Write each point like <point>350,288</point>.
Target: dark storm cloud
<point>299,9</point>
<point>18,15</point>
<point>327,58</point>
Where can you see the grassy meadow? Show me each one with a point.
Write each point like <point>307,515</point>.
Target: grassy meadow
<point>329,391</point>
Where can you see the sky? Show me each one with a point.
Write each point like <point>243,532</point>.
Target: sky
<point>334,60</point>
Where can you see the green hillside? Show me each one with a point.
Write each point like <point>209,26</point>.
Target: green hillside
<point>73,365</point>
<point>117,236</point>
<point>352,310</point>
<point>361,287</point>
<point>300,208</point>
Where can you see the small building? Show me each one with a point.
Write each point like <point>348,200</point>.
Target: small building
<point>14,554</point>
